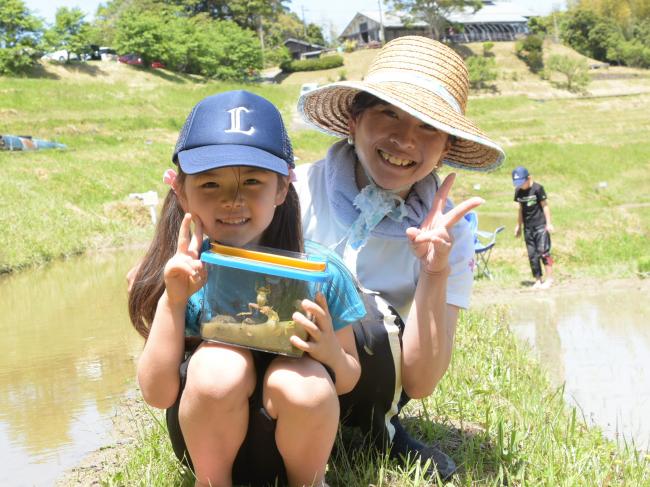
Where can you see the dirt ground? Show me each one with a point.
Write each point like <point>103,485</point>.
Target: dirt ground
<point>132,416</point>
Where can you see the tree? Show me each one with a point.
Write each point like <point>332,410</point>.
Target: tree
<point>314,35</point>
<point>152,35</point>
<point>248,14</point>
<point>225,51</point>
<point>434,12</point>
<point>195,44</point>
<point>19,37</point>
<point>70,32</point>
<point>575,70</point>
<point>590,34</point>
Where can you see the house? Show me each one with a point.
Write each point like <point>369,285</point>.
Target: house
<point>495,21</point>
<point>303,49</point>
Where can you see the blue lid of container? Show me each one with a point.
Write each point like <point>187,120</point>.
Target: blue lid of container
<point>264,267</point>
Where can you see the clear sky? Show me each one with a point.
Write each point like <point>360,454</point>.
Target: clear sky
<point>330,14</point>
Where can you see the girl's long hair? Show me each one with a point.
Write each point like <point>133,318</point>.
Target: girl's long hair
<point>284,232</point>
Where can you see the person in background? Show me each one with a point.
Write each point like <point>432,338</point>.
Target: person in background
<point>235,414</point>
<point>377,200</point>
<point>535,216</point>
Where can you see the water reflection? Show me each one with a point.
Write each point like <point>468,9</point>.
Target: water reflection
<point>598,343</point>
<point>67,356</point>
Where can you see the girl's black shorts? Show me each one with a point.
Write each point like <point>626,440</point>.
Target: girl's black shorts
<point>258,462</point>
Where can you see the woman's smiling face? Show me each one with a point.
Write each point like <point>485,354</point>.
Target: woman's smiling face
<point>395,148</point>
<point>235,204</point>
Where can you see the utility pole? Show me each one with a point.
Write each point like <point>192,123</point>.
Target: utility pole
<point>304,24</point>
<point>556,8</point>
<point>382,35</point>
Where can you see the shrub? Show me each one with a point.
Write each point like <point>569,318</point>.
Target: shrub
<point>487,49</point>
<point>530,51</point>
<point>349,45</point>
<point>276,56</point>
<point>643,266</point>
<point>327,62</point>
<point>481,71</point>
<point>634,54</point>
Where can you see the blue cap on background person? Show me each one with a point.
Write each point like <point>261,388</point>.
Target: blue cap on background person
<point>519,176</point>
<point>234,128</point>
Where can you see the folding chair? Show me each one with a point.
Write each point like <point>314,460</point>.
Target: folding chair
<point>483,244</point>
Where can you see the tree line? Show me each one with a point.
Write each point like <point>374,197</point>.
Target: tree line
<point>612,31</point>
<point>221,39</point>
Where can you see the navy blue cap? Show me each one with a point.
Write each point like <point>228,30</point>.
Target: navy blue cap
<point>519,176</point>
<point>234,128</point>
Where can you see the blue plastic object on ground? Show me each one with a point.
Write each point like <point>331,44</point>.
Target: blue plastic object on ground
<point>24,143</point>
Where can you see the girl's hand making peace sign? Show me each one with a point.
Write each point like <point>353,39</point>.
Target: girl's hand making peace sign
<point>185,273</point>
<point>432,242</point>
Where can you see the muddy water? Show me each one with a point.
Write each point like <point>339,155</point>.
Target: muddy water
<point>597,342</point>
<point>67,357</point>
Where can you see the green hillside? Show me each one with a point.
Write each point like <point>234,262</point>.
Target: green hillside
<point>120,124</point>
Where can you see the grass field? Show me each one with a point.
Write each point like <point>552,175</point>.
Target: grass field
<point>120,124</point>
<point>494,408</point>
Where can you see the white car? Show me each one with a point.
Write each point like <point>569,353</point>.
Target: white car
<point>61,56</point>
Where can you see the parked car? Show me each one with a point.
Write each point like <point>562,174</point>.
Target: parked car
<point>133,59</point>
<point>136,60</point>
<point>62,56</point>
<point>102,53</point>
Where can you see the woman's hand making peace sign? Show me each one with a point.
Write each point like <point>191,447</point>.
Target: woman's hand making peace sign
<point>185,273</point>
<point>432,242</point>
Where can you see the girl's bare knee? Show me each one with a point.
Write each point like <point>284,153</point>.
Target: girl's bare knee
<point>299,385</point>
<point>220,373</point>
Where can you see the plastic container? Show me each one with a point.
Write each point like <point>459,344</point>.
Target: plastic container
<point>251,295</point>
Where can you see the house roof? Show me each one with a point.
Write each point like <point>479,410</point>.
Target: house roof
<point>496,12</point>
<point>304,43</point>
<point>503,11</point>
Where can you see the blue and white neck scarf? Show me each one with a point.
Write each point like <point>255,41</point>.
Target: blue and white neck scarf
<point>365,211</point>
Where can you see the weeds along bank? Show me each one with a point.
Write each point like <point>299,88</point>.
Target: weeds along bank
<point>120,136</point>
<point>494,412</point>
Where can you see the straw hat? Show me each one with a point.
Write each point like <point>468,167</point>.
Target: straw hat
<point>421,76</point>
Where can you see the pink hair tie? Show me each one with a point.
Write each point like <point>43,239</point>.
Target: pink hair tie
<point>169,178</point>
<point>292,176</point>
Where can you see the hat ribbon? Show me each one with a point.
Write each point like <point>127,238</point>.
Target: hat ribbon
<point>420,81</point>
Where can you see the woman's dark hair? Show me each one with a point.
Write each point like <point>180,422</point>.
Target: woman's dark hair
<point>284,232</point>
<point>364,100</point>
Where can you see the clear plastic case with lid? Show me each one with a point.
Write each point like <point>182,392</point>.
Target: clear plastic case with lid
<point>251,295</point>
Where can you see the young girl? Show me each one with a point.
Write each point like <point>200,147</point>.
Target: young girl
<point>237,415</point>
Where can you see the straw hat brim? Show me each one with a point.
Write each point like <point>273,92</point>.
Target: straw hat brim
<point>328,110</point>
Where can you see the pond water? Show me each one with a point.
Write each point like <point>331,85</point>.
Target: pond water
<point>67,358</point>
<point>68,352</point>
<point>597,342</point>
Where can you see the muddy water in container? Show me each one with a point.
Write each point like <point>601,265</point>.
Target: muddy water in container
<point>597,342</point>
<point>67,358</point>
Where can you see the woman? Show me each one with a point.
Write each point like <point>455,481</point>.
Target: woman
<point>377,200</point>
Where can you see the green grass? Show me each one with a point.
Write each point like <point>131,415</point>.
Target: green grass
<point>494,412</point>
